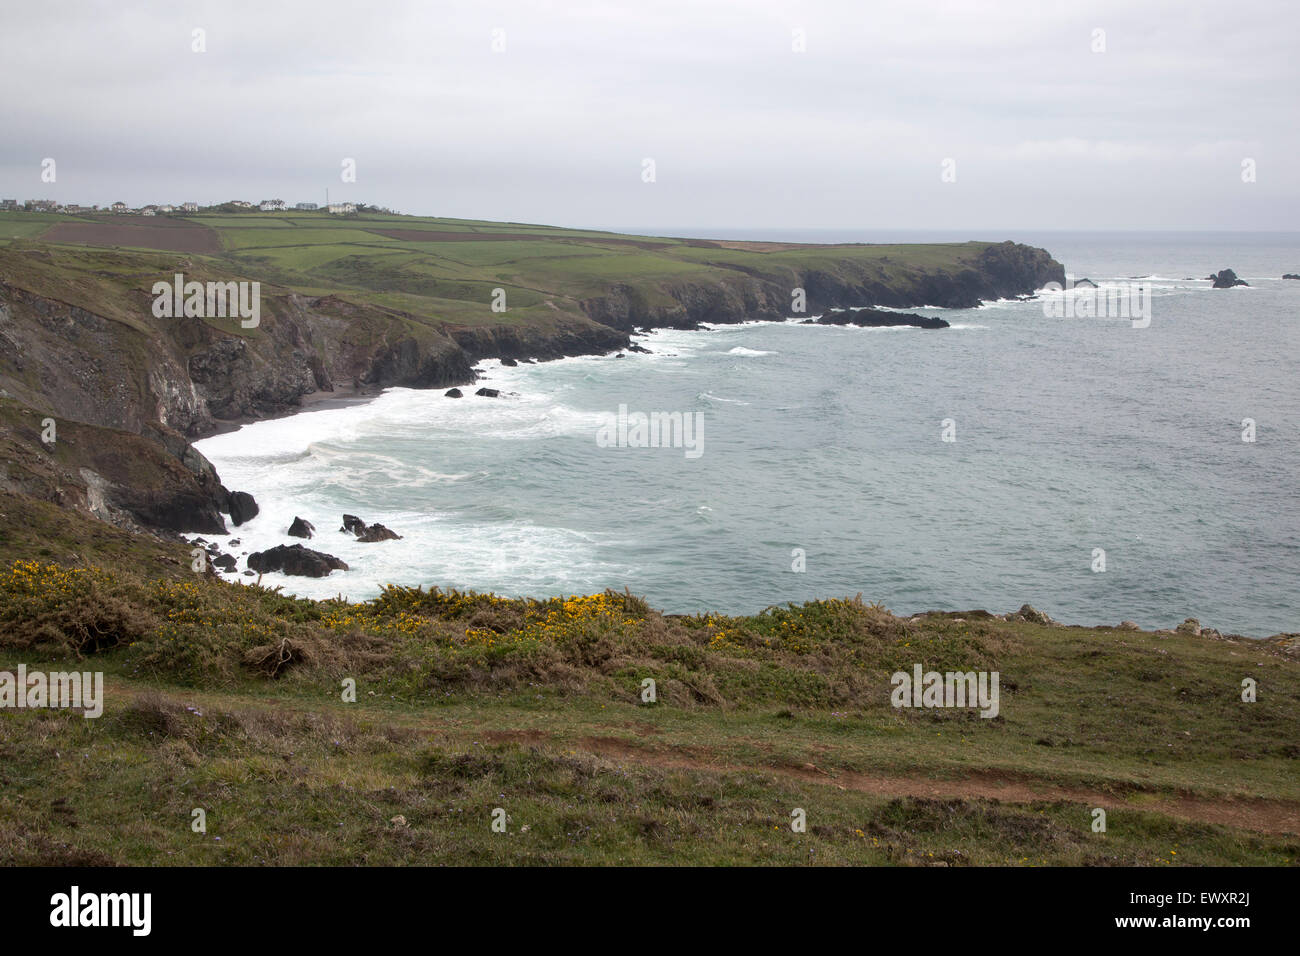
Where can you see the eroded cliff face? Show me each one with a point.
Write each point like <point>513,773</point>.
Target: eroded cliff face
<point>1003,270</point>
<point>170,381</point>
<point>153,480</point>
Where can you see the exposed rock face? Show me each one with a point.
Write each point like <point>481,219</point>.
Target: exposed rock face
<point>1031,614</point>
<point>103,358</point>
<point>488,392</point>
<point>242,507</point>
<point>1128,626</point>
<point>301,528</point>
<point>879,319</point>
<point>997,271</point>
<point>377,532</point>
<point>296,560</point>
<point>225,562</point>
<point>129,480</point>
<point>1290,275</point>
<point>454,393</point>
<point>368,533</point>
<point>1226,279</point>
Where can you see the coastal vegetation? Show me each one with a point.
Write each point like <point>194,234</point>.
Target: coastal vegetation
<point>393,730</point>
<point>235,699</point>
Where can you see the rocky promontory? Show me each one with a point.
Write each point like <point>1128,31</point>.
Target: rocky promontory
<point>80,344</point>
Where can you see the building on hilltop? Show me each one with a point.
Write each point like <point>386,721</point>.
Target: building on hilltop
<point>118,207</point>
<point>271,205</point>
<point>189,207</point>
<point>342,208</point>
<point>306,206</point>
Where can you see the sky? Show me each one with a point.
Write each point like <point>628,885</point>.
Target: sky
<point>823,114</point>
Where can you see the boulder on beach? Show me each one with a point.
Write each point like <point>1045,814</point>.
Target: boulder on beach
<point>488,392</point>
<point>509,363</point>
<point>242,507</point>
<point>224,561</point>
<point>301,528</point>
<point>454,393</point>
<point>1226,279</point>
<point>296,560</point>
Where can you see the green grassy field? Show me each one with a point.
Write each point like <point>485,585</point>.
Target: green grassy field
<point>351,256</point>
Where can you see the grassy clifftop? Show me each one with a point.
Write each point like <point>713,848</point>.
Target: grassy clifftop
<point>359,303</point>
<point>378,300</point>
<point>231,700</point>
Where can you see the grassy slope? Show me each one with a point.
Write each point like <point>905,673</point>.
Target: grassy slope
<point>451,280</point>
<point>228,698</point>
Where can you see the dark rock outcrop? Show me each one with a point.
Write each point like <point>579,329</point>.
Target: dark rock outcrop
<point>454,393</point>
<point>225,562</point>
<point>1226,279</point>
<point>377,532</point>
<point>368,533</point>
<point>488,392</point>
<point>1290,275</point>
<point>879,319</point>
<point>296,560</point>
<point>301,528</point>
<point>242,507</point>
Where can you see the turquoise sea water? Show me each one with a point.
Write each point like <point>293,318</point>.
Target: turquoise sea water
<point>1071,435</point>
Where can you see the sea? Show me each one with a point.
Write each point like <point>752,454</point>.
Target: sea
<point>1099,467</point>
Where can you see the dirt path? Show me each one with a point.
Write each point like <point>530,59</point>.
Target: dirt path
<point>1261,815</point>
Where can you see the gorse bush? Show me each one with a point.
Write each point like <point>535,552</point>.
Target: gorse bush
<point>417,643</point>
<point>75,610</point>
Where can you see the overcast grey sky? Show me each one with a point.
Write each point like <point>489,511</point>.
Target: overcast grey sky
<point>744,131</point>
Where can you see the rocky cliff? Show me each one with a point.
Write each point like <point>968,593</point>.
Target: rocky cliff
<point>129,391</point>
